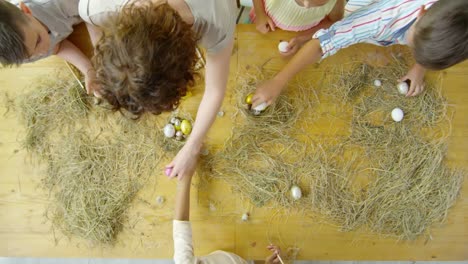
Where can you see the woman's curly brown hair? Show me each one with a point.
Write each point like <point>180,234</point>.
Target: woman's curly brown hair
<point>145,60</point>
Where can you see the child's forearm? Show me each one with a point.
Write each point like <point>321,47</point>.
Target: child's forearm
<point>75,56</point>
<point>182,203</point>
<point>310,53</point>
<point>258,7</point>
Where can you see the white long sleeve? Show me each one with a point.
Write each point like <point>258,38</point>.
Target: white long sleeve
<point>183,249</point>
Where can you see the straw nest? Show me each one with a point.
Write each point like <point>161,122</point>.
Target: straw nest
<point>96,161</point>
<point>384,176</point>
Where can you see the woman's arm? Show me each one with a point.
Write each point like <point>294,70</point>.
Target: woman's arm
<point>216,77</point>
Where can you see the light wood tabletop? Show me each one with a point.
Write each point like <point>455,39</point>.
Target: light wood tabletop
<point>216,210</point>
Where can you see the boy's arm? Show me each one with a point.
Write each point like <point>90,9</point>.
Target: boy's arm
<point>268,91</point>
<point>69,52</point>
<point>416,77</point>
<point>263,22</point>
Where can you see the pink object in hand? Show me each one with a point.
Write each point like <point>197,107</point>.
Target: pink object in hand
<point>168,171</point>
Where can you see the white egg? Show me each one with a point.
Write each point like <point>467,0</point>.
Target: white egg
<point>174,120</point>
<point>169,130</point>
<point>245,217</point>
<point>283,46</point>
<point>179,134</point>
<point>403,88</point>
<point>397,114</point>
<point>296,192</point>
<point>220,113</point>
<point>377,83</point>
<point>261,107</point>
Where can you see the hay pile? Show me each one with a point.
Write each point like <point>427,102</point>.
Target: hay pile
<point>96,161</point>
<point>385,176</point>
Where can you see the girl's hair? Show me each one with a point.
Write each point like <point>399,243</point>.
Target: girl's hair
<point>145,60</point>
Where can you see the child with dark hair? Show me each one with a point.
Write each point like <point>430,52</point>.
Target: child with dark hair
<point>35,29</point>
<point>435,30</point>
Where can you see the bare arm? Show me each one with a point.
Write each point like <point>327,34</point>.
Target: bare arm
<point>182,200</point>
<point>263,22</point>
<point>94,32</point>
<point>216,76</point>
<point>69,52</point>
<point>268,91</point>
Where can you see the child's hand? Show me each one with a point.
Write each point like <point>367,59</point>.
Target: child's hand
<point>416,77</point>
<point>267,92</point>
<point>91,84</point>
<point>183,165</point>
<point>274,257</point>
<point>294,45</point>
<point>264,23</point>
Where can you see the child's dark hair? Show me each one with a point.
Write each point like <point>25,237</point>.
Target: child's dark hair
<point>145,60</point>
<point>441,35</point>
<point>12,48</point>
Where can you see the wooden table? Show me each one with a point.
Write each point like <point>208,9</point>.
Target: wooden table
<point>24,231</point>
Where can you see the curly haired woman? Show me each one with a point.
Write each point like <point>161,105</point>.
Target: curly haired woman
<point>145,57</point>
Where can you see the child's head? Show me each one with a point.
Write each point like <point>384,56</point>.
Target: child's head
<point>440,37</point>
<point>145,60</point>
<point>21,35</point>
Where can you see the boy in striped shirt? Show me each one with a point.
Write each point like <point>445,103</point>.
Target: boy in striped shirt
<point>436,31</point>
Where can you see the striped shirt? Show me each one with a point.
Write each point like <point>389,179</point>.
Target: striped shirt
<point>381,22</point>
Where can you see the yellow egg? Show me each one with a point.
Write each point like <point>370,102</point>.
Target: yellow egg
<point>186,127</point>
<point>248,99</point>
<point>177,124</point>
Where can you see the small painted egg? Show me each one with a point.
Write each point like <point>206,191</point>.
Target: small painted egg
<point>403,88</point>
<point>174,120</point>
<point>169,130</point>
<point>186,127</point>
<point>168,171</point>
<point>179,134</point>
<point>377,83</point>
<point>296,192</point>
<point>248,99</point>
<point>397,114</point>
<point>220,113</point>
<point>283,46</point>
<point>261,107</point>
<point>177,124</point>
<point>245,217</point>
